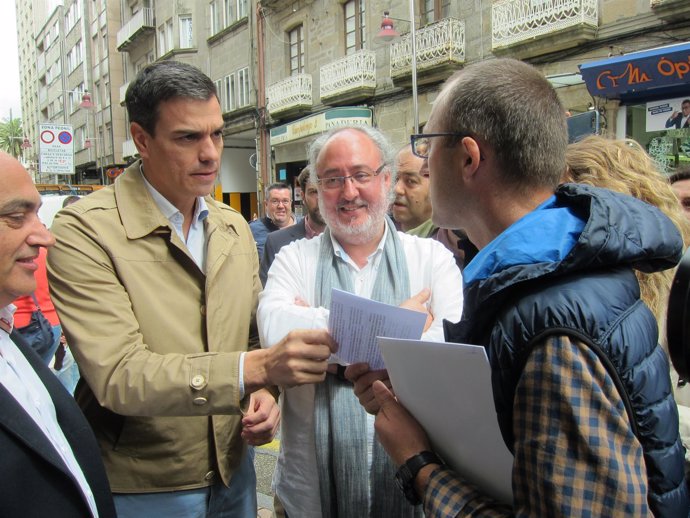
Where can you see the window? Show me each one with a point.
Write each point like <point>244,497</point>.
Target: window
<point>355,26</point>
<point>229,93</point>
<point>434,10</point>
<point>165,37</point>
<point>216,16</point>
<point>224,13</point>
<point>229,12</point>
<point>74,57</point>
<point>296,51</point>
<point>218,84</point>
<point>75,97</point>
<point>73,15</point>
<point>186,41</point>
<point>243,87</point>
<point>241,8</point>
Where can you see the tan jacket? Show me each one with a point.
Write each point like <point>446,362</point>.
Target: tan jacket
<point>157,341</point>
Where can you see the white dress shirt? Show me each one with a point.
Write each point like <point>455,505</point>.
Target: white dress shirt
<point>22,382</point>
<point>292,275</point>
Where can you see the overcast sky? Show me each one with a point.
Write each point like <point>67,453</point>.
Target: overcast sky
<point>9,84</point>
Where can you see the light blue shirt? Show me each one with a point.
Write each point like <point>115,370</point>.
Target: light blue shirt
<point>22,382</point>
<point>196,239</point>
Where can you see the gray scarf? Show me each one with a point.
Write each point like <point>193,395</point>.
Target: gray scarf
<point>339,419</point>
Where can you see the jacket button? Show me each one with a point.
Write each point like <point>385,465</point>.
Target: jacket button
<point>210,475</point>
<point>202,310</point>
<point>198,381</point>
<point>200,401</point>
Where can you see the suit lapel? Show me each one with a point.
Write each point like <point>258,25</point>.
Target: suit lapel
<point>15,420</point>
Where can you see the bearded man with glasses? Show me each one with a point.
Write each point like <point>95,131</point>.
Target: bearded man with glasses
<point>327,448</point>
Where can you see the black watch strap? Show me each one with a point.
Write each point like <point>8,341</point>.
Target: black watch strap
<point>407,473</point>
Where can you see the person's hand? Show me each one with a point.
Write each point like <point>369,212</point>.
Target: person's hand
<point>398,432</point>
<point>299,358</point>
<point>419,303</point>
<point>262,418</point>
<point>362,378</point>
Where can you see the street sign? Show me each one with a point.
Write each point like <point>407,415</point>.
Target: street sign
<point>56,148</point>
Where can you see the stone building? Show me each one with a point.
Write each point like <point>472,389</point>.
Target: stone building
<point>72,53</point>
<point>289,69</point>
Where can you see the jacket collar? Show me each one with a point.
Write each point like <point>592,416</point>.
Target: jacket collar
<point>139,213</point>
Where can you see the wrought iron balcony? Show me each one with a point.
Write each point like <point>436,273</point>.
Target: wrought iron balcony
<point>290,95</point>
<point>439,46</point>
<point>521,21</point>
<point>349,79</point>
<point>141,23</point>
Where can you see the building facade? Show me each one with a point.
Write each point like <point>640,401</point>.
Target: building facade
<point>219,38</point>
<point>287,70</point>
<point>324,57</point>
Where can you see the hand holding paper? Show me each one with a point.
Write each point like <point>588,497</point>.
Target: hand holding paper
<point>355,322</point>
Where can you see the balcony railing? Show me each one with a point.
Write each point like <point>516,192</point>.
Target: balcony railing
<point>123,93</point>
<point>129,149</point>
<point>440,43</point>
<point>291,93</point>
<point>514,21</point>
<point>353,74</point>
<point>142,21</point>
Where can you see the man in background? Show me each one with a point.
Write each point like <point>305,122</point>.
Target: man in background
<point>411,207</point>
<point>50,460</point>
<point>278,208</point>
<point>309,226</point>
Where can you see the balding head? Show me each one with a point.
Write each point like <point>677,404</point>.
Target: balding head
<point>21,231</point>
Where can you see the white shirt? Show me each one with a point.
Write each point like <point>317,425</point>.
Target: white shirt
<point>196,238</point>
<point>293,274</point>
<point>22,382</point>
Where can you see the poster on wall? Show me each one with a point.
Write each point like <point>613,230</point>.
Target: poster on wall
<point>668,114</point>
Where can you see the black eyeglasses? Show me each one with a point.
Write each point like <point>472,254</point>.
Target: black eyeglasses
<point>420,142</point>
<point>331,183</point>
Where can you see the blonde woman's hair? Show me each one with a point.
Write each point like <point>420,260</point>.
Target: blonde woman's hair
<point>624,166</point>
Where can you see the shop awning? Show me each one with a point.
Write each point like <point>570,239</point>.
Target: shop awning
<point>655,71</point>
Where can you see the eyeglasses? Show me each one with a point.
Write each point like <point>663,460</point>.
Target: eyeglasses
<point>332,183</point>
<point>420,142</point>
<point>279,202</point>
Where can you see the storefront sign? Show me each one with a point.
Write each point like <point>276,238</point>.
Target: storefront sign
<point>664,66</point>
<point>320,122</point>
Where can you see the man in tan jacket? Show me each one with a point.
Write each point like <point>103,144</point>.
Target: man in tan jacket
<point>156,285</point>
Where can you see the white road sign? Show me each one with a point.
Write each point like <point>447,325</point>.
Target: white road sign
<point>56,150</point>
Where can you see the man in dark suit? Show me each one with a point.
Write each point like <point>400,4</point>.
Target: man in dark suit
<point>680,119</point>
<point>309,226</point>
<point>51,465</point>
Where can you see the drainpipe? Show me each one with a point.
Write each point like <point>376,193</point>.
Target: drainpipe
<point>264,152</point>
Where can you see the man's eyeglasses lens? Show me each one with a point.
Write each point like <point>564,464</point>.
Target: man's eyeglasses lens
<point>359,178</point>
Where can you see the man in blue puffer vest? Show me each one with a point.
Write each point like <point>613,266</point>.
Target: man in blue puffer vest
<point>581,388</point>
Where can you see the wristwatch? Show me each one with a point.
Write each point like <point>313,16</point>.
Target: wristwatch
<point>407,473</point>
